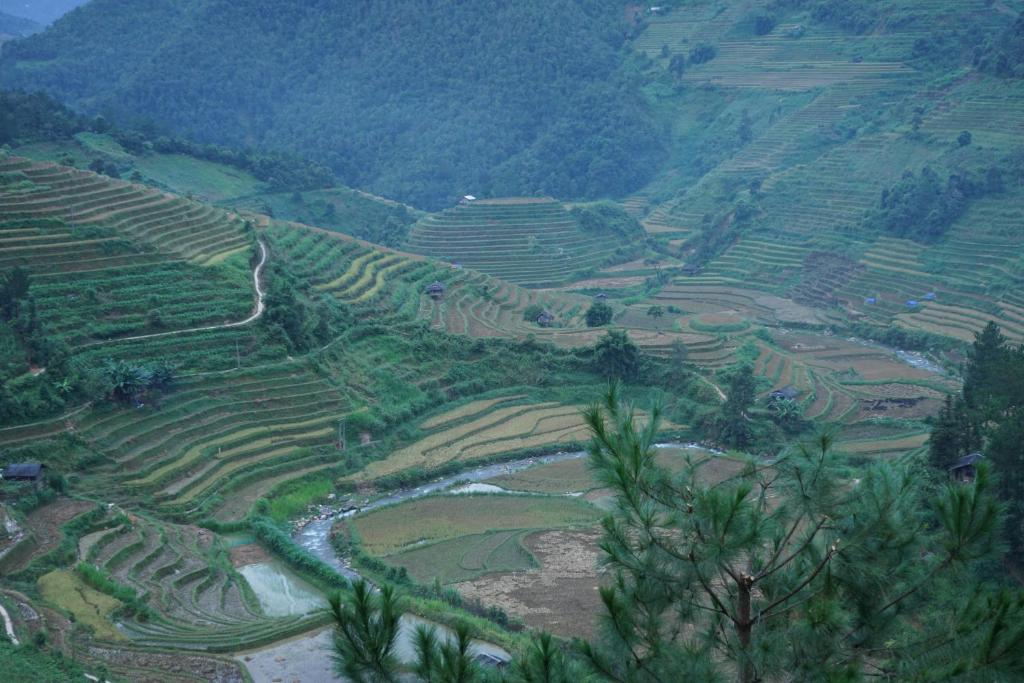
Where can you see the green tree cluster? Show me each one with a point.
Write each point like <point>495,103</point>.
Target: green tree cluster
<point>1003,55</point>
<point>599,314</point>
<point>988,416</point>
<point>293,319</point>
<point>35,117</point>
<point>617,357</point>
<point>921,206</point>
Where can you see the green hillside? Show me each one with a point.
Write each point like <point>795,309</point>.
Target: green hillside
<point>421,102</point>
<point>776,218</point>
<point>42,11</point>
<point>14,27</point>
<point>796,183</point>
<point>189,369</point>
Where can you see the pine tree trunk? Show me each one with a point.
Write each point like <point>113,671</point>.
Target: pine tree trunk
<point>744,628</point>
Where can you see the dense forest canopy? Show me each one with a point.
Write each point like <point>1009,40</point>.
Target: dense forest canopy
<point>423,101</point>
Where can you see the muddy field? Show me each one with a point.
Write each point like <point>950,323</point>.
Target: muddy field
<point>248,553</point>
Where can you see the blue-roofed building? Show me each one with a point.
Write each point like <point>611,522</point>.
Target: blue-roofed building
<point>24,471</point>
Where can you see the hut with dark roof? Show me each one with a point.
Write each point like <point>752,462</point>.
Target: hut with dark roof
<point>786,393</point>
<point>546,318</point>
<point>965,468</point>
<point>24,471</point>
<point>435,290</point>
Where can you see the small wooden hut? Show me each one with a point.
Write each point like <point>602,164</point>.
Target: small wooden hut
<point>435,290</point>
<point>964,469</point>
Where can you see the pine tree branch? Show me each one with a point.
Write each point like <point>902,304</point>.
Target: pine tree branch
<point>803,546</point>
<point>913,589</point>
<point>817,570</point>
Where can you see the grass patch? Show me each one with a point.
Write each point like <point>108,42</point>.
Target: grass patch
<point>392,529</point>
<point>90,607</point>
<point>285,506</point>
<point>465,558</point>
<point>28,663</point>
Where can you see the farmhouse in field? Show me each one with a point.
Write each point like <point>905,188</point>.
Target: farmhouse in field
<point>964,469</point>
<point>786,393</point>
<point>24,471</point>
<point>435,290</point>
<point>546,318</point>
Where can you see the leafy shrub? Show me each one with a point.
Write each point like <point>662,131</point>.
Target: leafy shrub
<point>599,314</point>
<point>531,312</point>
<point>279,543</point>
<point>921,206</point>
<point>101,580</point>
<point>702,53</point>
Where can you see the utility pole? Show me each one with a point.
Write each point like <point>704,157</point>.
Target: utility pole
<point>342,442</point>
<point>238,357</point>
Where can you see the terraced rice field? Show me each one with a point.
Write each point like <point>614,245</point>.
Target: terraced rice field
<point>485,433</point>
<point>529,242</point>
<point>215,434</point>
<point>197,600</point>
<point>166,223</point>
<point>95,274</point>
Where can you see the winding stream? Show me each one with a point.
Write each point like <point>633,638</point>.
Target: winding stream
<point>315,536</point>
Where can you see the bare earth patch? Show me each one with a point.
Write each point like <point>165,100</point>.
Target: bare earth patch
<point>250,553</point>
<point>45,524</point>
<point>561,596</point>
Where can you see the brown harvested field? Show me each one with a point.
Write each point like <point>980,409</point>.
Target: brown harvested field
<point>603,282</point>
<point>884,446</point>
<point>45,524</point>
<point>839,355</point>
<point>168,667</point>
<point>787,310</point>
<point>896,408</point>
<point>557,477</point>
<point>561,595</point>
<point>898,390</point>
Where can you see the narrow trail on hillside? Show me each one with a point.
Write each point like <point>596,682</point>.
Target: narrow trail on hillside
<point>8,626</point>
<point>257,313</point>
<point>718,389</point>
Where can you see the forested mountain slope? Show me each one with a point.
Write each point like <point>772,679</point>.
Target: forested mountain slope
<point>41,11</point>
<point>13,26</point>
<point>419,101</point>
